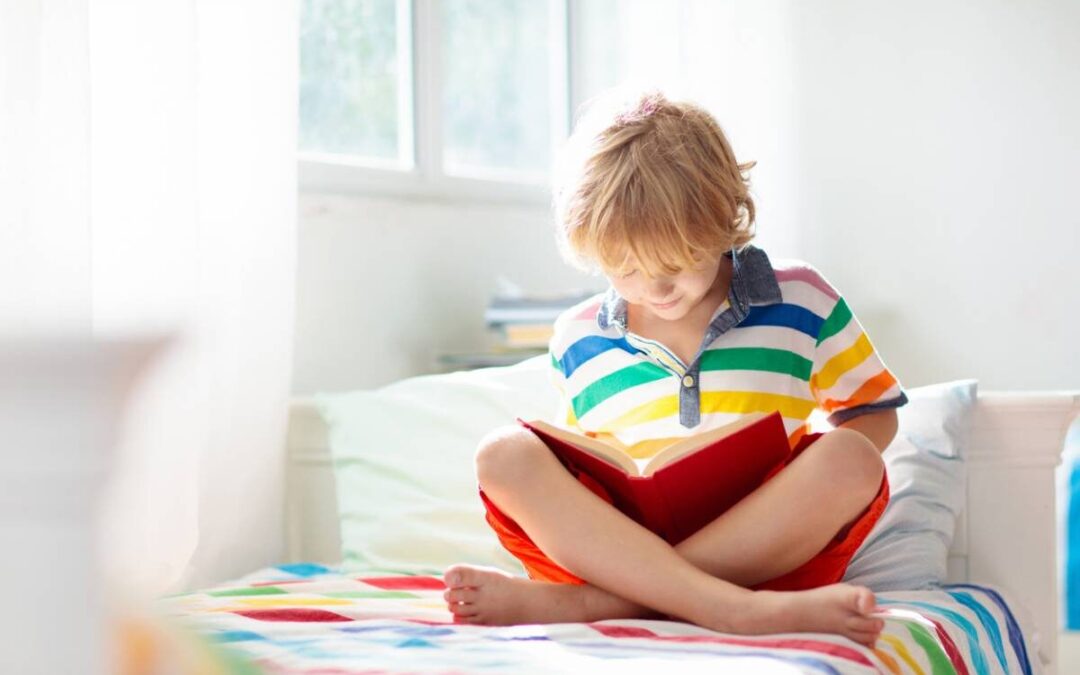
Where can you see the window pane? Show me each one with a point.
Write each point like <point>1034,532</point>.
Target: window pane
<point>630,43</point>
<point>495,97</point>
<point>351,79</point>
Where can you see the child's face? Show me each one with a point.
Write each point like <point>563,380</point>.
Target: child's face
<point>669,297</point>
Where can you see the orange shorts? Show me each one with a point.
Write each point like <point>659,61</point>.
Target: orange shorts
<point>827,567</point>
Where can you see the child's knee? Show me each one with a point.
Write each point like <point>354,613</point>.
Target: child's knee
<point>866,471</point>
<point>867,474</point>
<point>507,454</point>
<point>855,469</point>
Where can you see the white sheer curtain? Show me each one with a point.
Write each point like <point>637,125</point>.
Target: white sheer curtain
<point>147,184</point>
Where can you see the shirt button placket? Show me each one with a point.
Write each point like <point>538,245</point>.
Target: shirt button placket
<point>689,402</point>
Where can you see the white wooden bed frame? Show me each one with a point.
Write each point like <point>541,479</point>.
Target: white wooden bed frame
<point>1006,536</point>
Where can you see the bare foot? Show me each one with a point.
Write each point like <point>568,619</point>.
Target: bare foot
<point>487,596</point>
<point>841,609</point>
<point>484,595</point>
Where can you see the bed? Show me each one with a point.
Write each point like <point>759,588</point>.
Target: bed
<point>997,613</point>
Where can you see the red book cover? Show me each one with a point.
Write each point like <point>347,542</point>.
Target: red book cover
<point>685,487</point>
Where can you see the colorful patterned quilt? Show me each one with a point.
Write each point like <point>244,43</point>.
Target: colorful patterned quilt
<point>312,619</point>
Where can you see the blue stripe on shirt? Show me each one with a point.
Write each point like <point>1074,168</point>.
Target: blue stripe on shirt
<point>587,347</point>
<point>786,316</point>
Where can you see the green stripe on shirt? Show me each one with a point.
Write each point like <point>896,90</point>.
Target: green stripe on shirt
<point>609,385</point>
<point>837,321</point>
<point>758,358</point>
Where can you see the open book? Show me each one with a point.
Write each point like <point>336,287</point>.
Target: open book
<point>687,484</point>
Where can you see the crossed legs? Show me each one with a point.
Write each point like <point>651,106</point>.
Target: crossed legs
<point>631,572</point>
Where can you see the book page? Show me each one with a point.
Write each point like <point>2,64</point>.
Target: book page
<point>598,449</point>
<point>691,444</point>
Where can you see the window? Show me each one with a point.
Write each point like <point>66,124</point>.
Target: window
<point>494,105</point>
<point>623,42</point>
<point>461,99</point>
<point>355,81</point>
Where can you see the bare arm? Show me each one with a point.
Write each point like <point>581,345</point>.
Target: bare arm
<point>879,427</point>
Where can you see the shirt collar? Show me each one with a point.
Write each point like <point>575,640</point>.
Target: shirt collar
<point>753,283</point>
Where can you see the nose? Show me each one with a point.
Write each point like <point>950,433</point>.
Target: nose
<point>661,288</point>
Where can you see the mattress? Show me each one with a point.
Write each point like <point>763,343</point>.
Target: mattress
<point>309,618</point>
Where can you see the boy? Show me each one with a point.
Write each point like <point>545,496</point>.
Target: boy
<point>697,328</point>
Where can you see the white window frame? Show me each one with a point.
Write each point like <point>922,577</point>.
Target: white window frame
<point>420,128</point>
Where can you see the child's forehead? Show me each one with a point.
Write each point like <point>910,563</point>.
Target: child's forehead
<point>627,258</point>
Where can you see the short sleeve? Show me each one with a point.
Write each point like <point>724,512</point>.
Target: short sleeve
<point>849,377</point>
<point>564,416</point>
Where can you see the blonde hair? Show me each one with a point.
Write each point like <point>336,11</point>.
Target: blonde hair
<point>651,178</point>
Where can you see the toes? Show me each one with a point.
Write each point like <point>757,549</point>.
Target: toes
<point>865,603</point>
<point>474,618</point>
<point>462,594</point>
<point>867,639</point>
<point>864,624</point>
<point>457,575</point>
<point>467,575</point>
<point>462,609</point>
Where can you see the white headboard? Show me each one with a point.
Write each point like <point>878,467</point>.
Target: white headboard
<point>1006,537</point>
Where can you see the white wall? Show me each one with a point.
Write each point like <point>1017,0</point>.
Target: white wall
<point>939,154</point>
<point>385,285</point>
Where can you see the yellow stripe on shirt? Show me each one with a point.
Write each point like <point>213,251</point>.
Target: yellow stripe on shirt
<point>745,402</point>
<point>646,412</point>
<point>737,402</point>
<point>841,363</point>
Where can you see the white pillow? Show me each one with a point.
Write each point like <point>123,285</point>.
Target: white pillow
<point>403,464</point>
<point>908,547</point>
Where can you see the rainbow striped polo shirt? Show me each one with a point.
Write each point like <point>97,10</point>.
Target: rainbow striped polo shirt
<point>784,340</point>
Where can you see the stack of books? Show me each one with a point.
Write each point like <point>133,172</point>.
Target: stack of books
<point>526,322</point>
<point>521,326</point>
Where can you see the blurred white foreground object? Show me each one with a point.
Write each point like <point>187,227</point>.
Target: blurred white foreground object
<point>61,401</point>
